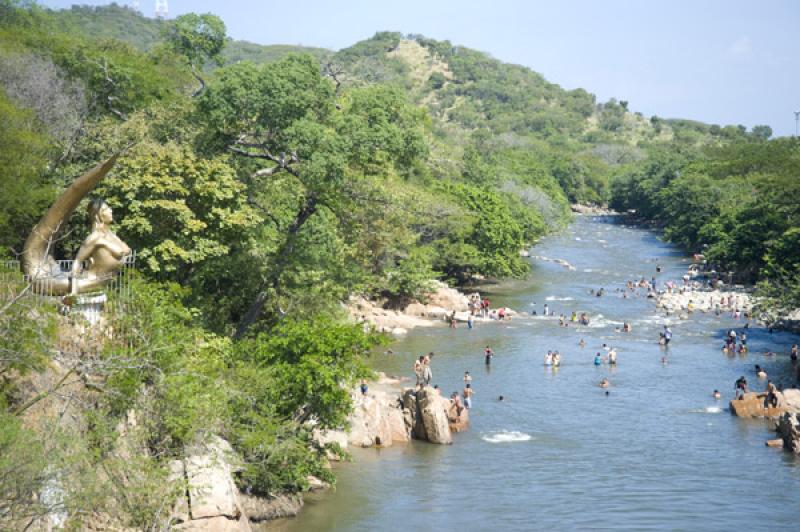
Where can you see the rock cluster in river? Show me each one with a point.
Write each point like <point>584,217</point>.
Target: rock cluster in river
<point>703,301</point>
<point>387,415</point>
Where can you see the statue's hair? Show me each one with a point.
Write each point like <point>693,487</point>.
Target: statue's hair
<point>95,204</point>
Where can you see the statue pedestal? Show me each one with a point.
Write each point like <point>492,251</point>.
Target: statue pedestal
<point>90,306</point>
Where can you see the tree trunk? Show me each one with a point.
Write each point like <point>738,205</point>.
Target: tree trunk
<point>282,256</point>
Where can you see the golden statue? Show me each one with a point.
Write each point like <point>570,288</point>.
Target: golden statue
<point>102,252</point>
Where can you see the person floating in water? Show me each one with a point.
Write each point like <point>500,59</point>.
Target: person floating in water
<point>604,383</point>
<point>760,373</point>
<point>716,394</point>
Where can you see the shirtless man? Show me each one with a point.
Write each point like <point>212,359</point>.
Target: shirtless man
<point>467,393</point>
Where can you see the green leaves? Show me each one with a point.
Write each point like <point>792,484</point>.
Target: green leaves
<point>176,209</point>
<point>197,37</point>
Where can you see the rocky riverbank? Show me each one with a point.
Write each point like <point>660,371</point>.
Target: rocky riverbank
<point>592,210</point>
<point>687,300</point>
<point>439,304</point>
<point>389,413</point>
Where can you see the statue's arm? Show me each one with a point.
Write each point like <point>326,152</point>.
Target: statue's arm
<point>84,253</point>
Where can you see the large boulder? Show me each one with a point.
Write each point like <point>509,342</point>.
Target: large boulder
<point>449,298</point>
<point>397,425</point>
<point>751,405</point>
<point>376,420</point>
<point>433,410</point>
<point>213,498</point>
<point>789,429</point>
<point>791,400</point>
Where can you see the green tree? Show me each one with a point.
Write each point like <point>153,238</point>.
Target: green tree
<point>198,38</point>
<point>176,209</point>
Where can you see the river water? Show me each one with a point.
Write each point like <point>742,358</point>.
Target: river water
<point>658,452</point>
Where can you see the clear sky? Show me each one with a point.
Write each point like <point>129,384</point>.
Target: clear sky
<point>718,61</point>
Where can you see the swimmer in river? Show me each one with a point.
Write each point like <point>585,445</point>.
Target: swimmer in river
<point>604,383</point>
<point>582,343</point>
<point>501,398</point>
<point>598,359</point>
<point>488,354</point>
<point>760,373</point>
<point>612,357</point>
<point>548,359</point>
<point>556,359</point>
<point>716,394</point>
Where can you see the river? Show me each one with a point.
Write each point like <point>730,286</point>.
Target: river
<point>658,452</point>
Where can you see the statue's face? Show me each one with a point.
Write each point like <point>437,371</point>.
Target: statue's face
<point>105,214</point>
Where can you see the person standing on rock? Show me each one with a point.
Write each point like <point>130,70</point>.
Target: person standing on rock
<point>418,369</point>
<point>427,374</point>
<point>771,400</point>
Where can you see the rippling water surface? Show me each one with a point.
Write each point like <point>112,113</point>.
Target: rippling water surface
<point>657,453</point>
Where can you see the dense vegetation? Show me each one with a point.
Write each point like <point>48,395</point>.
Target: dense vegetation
<point>735,204</point>
<point>261,187</point>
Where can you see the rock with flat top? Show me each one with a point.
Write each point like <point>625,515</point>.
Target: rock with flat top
<point>751,405</point>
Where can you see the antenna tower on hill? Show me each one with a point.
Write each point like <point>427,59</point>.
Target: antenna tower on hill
<point>162,10</point>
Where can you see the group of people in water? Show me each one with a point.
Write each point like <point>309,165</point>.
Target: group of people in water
<point>734,341</point>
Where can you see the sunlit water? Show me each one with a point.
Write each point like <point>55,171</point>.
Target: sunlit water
<point>657,453</point>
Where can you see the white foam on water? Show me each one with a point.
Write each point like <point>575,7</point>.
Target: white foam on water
<point>707,410</point>
<point>556,298</point>
<point>578,238</point>
<point>587,270</point>
<point>505,436</point>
